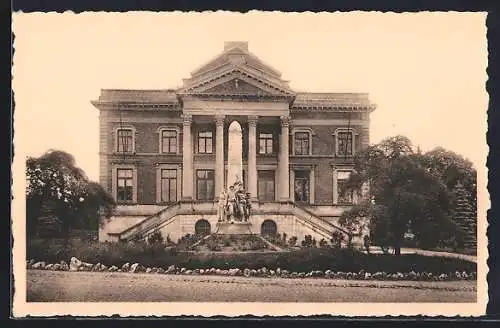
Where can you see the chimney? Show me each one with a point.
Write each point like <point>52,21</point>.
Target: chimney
<point>240,44</point>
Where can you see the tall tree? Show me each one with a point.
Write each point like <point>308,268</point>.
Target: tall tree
<point>465,217</point>
<point>402,194</point>
<point>59,192</point>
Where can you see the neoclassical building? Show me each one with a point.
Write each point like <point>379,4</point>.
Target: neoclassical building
<point>164,153</point>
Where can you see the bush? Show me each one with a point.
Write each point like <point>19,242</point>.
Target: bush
<point>308,241</point>
<point>277,240</point>
<point>216,243</point>
<point>304,260</point>
<point>156,238</point>
<point>337,238</point>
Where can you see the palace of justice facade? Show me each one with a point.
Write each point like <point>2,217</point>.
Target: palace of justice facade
<point>164,153</point>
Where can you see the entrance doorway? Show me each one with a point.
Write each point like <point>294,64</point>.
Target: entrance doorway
<point>301,186</point>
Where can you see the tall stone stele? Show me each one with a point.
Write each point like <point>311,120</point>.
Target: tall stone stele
<point>465,216</point>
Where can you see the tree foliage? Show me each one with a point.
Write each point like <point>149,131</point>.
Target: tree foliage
<point>408,190</point>
<point>60,192</point>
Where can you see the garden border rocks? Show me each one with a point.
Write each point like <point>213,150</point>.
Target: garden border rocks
<point>77,265</point>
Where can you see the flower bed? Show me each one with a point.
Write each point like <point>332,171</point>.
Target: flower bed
<point>237,243</point>
<point>77,265</point>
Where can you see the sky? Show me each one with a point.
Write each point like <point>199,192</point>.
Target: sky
<point>425,71</point>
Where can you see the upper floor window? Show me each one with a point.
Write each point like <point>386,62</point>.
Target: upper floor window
<point>125,140</point>
<point>169,141</point>
<point>124,188</point>
<point>302,143</point>
<point>265,143</point>
<point>345,145</point>
<point>205,142</point>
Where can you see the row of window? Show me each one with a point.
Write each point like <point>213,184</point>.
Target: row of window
<point>205,186</point>
<point>169,142</point>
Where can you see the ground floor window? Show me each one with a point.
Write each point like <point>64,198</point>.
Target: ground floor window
<point>345,197</point>
<point>269,228</point>
<point>202,228</point>
<point>301,186</point>
<point>205,184</point>
<point>124,190</point>
<point>168,185</point>
<point>266,185</point>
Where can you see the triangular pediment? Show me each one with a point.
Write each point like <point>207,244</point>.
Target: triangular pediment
<point>237,86</point>
<point>237,83</point>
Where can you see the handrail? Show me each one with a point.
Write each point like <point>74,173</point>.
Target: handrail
<point>149,218</point>
<point>312,214</point>
<point>314,225</point>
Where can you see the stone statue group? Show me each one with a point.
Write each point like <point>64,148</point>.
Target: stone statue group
<point>234,204</point>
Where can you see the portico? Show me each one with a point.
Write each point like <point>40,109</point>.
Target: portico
<point>221,121</point>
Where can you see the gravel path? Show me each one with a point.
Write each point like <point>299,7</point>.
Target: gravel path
<point>59,286</point>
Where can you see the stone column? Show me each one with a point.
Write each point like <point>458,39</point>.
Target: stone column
<point>312,185</point>
<point>252,157</point>
<point>334,186</point>
<point>187,159</point>
<point>284,182</point>
<point>219,155</point>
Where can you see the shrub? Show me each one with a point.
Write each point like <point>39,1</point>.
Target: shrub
<point>156,238</point>
<point>323,243</point>
<point>366,243</point>
<point>308,241</point>
<point>292,241</point>
<point>212,245</point>
<point>304,260</point>
<point>276,240</point>
<point>337,238</point>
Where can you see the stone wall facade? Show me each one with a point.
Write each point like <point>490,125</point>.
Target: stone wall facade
<point>235,86</point>
<point>147,156</point>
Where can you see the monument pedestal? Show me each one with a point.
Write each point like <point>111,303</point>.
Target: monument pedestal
<point>234,228</point>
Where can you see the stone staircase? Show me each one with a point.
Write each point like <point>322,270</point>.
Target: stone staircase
<point>168,214</point>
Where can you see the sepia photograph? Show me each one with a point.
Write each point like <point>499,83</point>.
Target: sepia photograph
<point>258,163</point>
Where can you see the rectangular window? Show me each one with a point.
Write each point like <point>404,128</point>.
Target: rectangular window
<point>301,186</point>
<point>265,143</point>
<point>205,185</point>
<point>205,142</point>
<point>168,186</point>
<point>344,143</point>
<point>125,140</point>
<point>345,197</point>
<point>169,141</point>
<point>302,143</point>
<point>266,186</point>
<point>124,185</point>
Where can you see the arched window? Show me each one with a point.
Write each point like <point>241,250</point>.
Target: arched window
<point>269,228</point>
<point>202,227</point>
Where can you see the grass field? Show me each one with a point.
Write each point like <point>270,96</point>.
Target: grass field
<point>57,286</point>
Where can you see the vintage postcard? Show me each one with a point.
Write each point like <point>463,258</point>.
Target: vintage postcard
<point>263,163</point>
